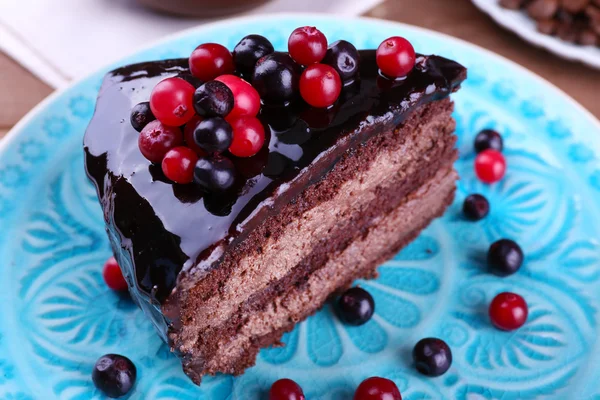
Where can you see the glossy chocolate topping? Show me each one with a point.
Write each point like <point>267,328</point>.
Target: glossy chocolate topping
<point>172,231</point>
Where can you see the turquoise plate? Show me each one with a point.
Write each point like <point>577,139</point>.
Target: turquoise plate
<point>57,317</point>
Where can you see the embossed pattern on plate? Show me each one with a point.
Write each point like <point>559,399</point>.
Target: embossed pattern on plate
<point>57,316</point>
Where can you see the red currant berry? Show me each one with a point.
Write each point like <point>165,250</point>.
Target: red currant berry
<point>396,57</point>
<point>188,135</point>
<point>156,139</point>
<point>286,389</point>
<point>307,45</point>
<point>210,60</point>
<point>508,311</point>
<point>376,388</point>
<point>248,136</point>
<point>246,99</point>
<point>113,276</point>
<point>490,166</point>
<point>179,163</point>
<point>171,101</point>
<point>320,85</point>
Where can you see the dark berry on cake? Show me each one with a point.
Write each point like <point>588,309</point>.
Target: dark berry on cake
<point>156,139</point>
<point>376,388</point>
<point>248,136</point>
<point>488,139</point>
<point>114,375</point>
<point>171,101</point>
<point>508,311</point>
<point>113,276</point>
<point>213,135</point>
<point>432,356</point>
<point>307,45</point>
<point>247,52</point>
<point>211,60</point>
<point>179,163</point>
<point>214,173</point>
<point>286,389</point>
<point>476,207</point>
<point>344,58</point>
<point>490,166</point>
<point>396,57</point>
<point>355,306</point>
<point>188,135</point>
<point>141,115</point>
<point>191,79</point>
<point>505,257</point>
<point>276,78</point>
<point>246,99</point>
<point>213,99</point>
<point>320,85</point>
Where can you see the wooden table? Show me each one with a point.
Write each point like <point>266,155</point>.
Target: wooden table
<point>20,90</point>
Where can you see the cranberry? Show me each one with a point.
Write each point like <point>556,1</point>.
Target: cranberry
<point>344,57</point>
<point>246,99</point>
<point>210,60</point>
<point>213,99</point>
<point>488,139</point>
<point>356,306</point>
<point>114,375</point>
<point>307,45</point>
<point>113,276</point>
<point>476,207</point>
<point>320,85</point>
<point>490,166</point>
<point>376,388</point>
<point>508,311</point>
<point>178,164</point>
<point>286,389</point>
<point>248,136</point>
<point>156,139</point>
<point>275,78</point>
<point>432,357</point>
<point>188,135</point>
<point>171,101</point>
<point>505,257</point>
<point>396,57</point>
<point>247,52</point>
<point>141,115</point>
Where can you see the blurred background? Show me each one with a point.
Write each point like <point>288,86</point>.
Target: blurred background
<point>44,45</point>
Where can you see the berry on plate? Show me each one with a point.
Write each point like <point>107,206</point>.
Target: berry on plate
<point>179,163</point>
<point>114,375</point>
<point>476,207</point>
<point>505,257</point>
<point>248,136</point>
<point>113,276</point>
<point>156,139</point>
<point>210,60</point>
<point>376,388</point>
<point>508,311</point>
<point>488,139</point>
<point>307,45</point>
<point>396,57</point>
<point>490,166</point>
<point>213,99</point>
<point>171,101</point>
<point>355,306</point>
<point>432,357</point>
<point>247,52</point>
<point>320,85</point>
<point>286,389</point>
<point>246,100</point>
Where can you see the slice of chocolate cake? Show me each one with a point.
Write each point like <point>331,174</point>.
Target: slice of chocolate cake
<point>273,226</point>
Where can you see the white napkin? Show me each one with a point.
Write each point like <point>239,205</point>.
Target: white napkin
<point>62,40</point>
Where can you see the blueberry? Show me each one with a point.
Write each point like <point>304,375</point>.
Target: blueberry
<point>114,375</point>
<point>276,78</point>
<point>344,58</point>
<point>191,79</point>
<point>488,139</point>
<point>247,52</point>
<point>355,306</point>
<point>505,257</point>
<point>141,115</point>
<point>213,99</point>
<point>213,135</point>
<point>214,174</point>
<point>476,207</point>
<point>432,356</point>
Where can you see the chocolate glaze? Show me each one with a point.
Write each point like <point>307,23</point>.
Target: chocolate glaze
<point>163,233</point>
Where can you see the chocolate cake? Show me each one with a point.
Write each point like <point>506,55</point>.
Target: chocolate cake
<point>332,194</point>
